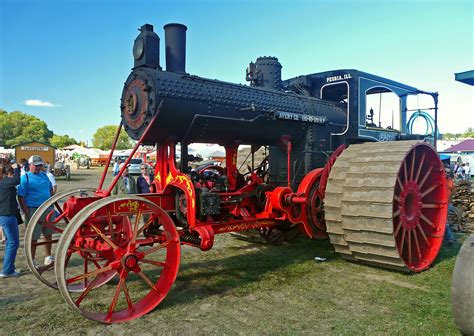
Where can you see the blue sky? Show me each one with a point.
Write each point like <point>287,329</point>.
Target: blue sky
<point>76,54</point>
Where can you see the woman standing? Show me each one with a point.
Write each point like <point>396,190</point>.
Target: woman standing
<point>8,219</point>
<point>144,180</point>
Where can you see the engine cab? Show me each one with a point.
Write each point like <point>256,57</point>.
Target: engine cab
<point>377,108</point>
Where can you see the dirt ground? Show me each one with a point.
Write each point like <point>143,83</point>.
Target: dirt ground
<point>240,287</point>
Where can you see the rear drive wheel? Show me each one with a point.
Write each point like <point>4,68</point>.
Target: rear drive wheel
<point>386,204</point>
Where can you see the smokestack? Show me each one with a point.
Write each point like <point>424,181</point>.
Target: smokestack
<point>175,47</point>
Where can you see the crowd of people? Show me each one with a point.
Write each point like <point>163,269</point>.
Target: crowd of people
<point>25,186</point>
<point>462,171</point>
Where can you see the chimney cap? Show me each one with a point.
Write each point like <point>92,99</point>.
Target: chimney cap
<point>146,27</point>
<point>175,25</point>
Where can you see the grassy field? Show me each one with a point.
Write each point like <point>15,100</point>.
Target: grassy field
<point>241,287</point>
<point>245,288</point>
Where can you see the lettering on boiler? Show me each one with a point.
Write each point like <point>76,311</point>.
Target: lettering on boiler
<point>315,119</point>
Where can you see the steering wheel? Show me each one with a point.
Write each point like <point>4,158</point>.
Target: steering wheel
<point>217,169</point>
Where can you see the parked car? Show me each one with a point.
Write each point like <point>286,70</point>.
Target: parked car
<point>120,158</point>
<point>134,166</point>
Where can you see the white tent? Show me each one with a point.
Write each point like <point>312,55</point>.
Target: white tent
<point>72,147</point>
<point>207,150</point>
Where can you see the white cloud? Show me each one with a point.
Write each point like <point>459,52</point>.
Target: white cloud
<point>81,131</point>
<point>39,103</point>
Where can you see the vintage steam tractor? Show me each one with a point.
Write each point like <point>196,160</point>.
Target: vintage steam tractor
<point>61,169</point>
<point>330,172</point>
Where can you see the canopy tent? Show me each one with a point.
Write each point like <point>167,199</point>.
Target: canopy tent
<point>4,150</point>
<point>464,146</point>
<point>72,147</point>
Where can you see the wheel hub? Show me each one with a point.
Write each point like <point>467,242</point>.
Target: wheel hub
<point>132,103</point>
<point>410,205</point>
<point>130,261</point>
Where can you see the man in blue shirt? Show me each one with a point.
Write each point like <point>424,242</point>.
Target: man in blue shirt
<point>35,188</point>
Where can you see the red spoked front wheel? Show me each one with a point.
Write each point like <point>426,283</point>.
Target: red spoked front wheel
<point>420,207</point>
<point>112,235</point>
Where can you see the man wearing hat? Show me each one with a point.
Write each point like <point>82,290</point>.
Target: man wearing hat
<point>35,188</point>
<point>125,185</point>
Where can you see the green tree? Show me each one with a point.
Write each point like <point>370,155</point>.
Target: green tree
<point>18,127</point>
<point>448,136</point>
<point>104,137</point>
<point>60,141</point>
<point>469,133</point>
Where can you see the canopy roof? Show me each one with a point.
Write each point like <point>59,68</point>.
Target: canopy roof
<point>466,77</point>
<point>465,146</point>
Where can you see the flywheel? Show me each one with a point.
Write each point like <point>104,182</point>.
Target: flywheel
<point>386,204</point>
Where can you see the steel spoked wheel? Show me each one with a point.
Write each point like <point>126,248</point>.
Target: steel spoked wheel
<point>420,208</point>
<point>112,236</point>
<point>54,214</point>
<point>181,208</point>
<point>316,211</point>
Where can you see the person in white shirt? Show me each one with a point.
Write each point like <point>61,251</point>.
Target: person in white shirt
<point>467,171</point>
<point>121,163</point>
<point>51,178</point>
<point>23,167</point>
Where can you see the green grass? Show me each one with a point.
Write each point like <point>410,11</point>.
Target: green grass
<point>240,287</point>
